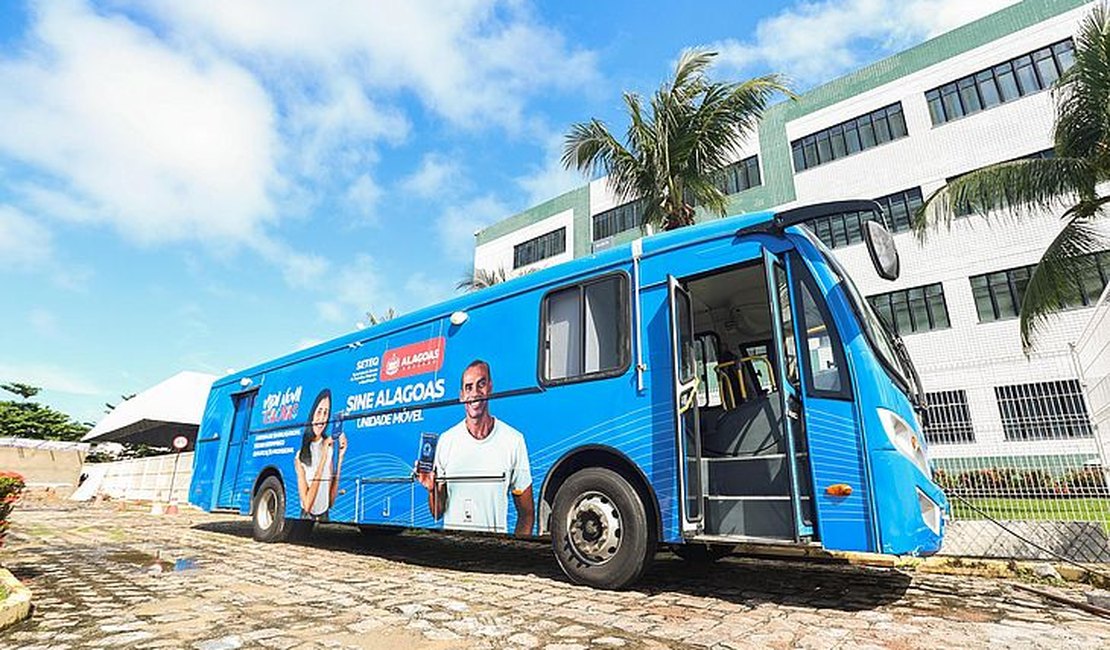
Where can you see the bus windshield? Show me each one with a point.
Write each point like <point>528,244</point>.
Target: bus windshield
<point>886,344</point>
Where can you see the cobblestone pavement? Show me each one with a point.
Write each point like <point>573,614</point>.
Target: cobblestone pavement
<point>105,577</point>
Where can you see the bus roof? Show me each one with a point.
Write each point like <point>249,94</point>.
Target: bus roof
<point>552,275</point>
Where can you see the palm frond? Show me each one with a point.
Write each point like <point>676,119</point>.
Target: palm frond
<point>481,279</point>
<point>1016,189</point>
<point>1054,283</point>
<point>1083,123</point>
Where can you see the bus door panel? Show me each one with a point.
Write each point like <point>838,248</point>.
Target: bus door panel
<point>686,406</point>
<point>230,494</point>
<point>840,487</point>
<point>784,342</point>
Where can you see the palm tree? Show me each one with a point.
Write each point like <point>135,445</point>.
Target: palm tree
<point>1069,179</point>
<point>481,278</point>
<point>674,151</point>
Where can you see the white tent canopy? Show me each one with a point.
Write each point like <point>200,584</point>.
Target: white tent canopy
<point>158,414</point>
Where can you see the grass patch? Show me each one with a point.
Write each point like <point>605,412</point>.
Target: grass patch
<point>3,591</point>
<point>1036,509</point>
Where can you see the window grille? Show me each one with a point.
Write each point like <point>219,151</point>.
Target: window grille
<point>1047,410</point>
<point>540,248</point>
<point>619,219</point>
<point>947,418</point>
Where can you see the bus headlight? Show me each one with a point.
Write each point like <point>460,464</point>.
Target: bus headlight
<point>905,438</point>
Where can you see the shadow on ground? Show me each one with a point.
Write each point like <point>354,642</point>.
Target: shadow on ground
<point>745,581</point>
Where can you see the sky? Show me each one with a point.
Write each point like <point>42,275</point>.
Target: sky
<point>205,185</point>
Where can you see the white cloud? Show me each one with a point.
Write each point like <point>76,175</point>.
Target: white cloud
<point>48,377</point>
<point>457,225</point>
<point>550,179</point>
<point>362,197</point>
<point>474,62</point>
<point>299,269</point>
<point>24,243</point>
<point>124,130</point>
<point>44,323</point>
<point>354,288</point>
<point>436,176</point>
<point>813,42</point>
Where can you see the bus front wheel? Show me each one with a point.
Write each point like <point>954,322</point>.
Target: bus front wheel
<point>599,529</point>
<point>268,513</point>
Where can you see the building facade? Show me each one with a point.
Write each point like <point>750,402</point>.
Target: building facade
<point>896,131</point>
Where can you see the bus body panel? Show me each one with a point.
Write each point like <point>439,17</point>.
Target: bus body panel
<point>894,507</point>
<point>384,410</point>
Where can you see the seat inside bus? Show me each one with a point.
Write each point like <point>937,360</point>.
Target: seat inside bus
<point>745,478</point>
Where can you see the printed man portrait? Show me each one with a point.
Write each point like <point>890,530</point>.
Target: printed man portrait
<point>479,463</point>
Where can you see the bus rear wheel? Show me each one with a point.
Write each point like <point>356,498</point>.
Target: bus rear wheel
<point>599,529</point>
<point>268,512</point>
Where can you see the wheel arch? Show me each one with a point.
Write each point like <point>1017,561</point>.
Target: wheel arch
<point>267,471</point>
<point>597,456</point>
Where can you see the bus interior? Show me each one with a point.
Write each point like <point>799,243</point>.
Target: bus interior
<point>746,480</point>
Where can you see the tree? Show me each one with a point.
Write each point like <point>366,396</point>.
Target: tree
<point>481,278</point>
<point>26,391</point>
<point>26,419</point>
<point>1068,180</point>
<point>674,153</point>
<point>374,319</point>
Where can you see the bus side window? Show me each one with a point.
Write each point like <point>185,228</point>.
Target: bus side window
<point>585,330</point>
<point>827,370</point>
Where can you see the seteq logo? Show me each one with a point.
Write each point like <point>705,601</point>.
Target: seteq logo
<point>413,359</point>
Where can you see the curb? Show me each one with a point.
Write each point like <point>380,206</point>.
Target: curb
<point>1029,570</point>
<point>17,606</point>
<point>1026,570</point>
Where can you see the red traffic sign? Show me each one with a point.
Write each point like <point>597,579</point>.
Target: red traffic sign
<point>180,442</point>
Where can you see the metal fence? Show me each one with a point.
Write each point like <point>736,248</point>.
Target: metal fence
<point>163,479</point>
<point>1036,484</point>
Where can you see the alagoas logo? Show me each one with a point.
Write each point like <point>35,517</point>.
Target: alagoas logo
<point>413,359</point>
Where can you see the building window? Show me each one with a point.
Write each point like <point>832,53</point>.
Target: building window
<point>920,309</point>
<point>540,248</point>
<point>619,219</point>
<point>585,330</point>
<point>740,176</point>
<point>846,228</point>
<point>1001,83</point>
<point>966,208</point>
<point>849,137</point>
<point>1045,410</point>
<point>998,295</point>
<point>947,418</point>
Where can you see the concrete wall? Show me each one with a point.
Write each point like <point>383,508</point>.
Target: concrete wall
<point>44,468</point>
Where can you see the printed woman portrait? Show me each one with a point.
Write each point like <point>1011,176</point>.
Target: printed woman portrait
<point>317,470</point>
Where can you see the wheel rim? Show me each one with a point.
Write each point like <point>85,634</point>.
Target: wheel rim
<point>267,509</point>
<point>594,528</point>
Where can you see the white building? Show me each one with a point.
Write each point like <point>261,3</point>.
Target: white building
<point>895,131</point>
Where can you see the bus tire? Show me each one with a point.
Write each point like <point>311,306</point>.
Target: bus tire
<point>268,512</point>
<point>600,530</point>
<point>702,554</point>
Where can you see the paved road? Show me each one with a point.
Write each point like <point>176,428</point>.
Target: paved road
<point>103,577</point>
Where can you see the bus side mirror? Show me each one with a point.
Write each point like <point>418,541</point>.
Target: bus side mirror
<point>884,254</point>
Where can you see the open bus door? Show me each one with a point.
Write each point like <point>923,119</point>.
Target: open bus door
<point>789,381</point>
<point>686,407</point>
<point>229,493</point>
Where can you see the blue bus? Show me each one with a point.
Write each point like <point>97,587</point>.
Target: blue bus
<point>716,385</point>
